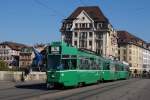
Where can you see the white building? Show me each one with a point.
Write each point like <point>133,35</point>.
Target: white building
<point>9,52</point>
<point>88,28</point>
<point>146,58</point>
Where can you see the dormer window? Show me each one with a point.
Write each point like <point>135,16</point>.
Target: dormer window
<point>100,25</point>
<point>83,18</point>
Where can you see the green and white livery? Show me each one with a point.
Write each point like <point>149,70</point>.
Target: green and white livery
<point>69,66</point>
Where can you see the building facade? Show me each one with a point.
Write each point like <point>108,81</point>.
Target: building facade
<point>131,50</point>
<point>9,52</point>
<point>26,57</point>
<point>146,58</point>
<point>88,28</point>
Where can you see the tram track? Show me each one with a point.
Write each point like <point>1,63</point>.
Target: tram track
<point>26,95</point>
<point>93,92</point>
<point>89,92</point>
<point>71,93</point>
<point>21,92</point>
<point>106,89</point>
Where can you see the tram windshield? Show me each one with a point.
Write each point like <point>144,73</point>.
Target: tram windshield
<point>53,62</point>
<point>56,63</point>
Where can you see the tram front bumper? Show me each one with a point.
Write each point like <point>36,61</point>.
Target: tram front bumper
<point>50,85</point>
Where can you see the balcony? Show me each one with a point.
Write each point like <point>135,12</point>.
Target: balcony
<point>65,29</point>
<point>83,38</point>
<point>98,38</point>
<point>83,28</point>
<point>25,59</point>
<point>83,47</point>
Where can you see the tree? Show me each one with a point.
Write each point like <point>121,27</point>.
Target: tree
<point>3,65</point>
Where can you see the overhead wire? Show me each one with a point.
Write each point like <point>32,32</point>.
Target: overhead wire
<point>47,7</point>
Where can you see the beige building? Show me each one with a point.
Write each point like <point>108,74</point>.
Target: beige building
<point>26,57</point>
<point>88,28</point>
<point>131,50</point>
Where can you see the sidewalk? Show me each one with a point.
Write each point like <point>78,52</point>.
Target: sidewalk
<point>10,84</point>
<point>6,84</point>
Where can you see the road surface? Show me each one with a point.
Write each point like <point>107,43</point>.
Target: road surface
<point>132,89</point>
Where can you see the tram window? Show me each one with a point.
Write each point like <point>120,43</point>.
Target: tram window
<point>81,64</point>
<point>117,68</point>
<point>73,63</point>
<point>84,64</point>
<point>93,65</point>
<point>96,65</point>
<point>106,66</point>
<point>113,67</point>
<point>100,66</point>
<point>122,68</point>
<point>65,63</point>
<point>53,62</point>
<point>69,63</point>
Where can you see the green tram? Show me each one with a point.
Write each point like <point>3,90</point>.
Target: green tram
<point>69,66</point>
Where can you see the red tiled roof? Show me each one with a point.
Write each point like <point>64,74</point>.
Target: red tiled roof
<point>13,45</point>
<point>126,37</point>
<point>94,12</point>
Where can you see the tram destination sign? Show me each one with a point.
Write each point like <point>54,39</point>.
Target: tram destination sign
<point>55,50</point>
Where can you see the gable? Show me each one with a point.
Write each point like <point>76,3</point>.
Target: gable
<point>93,11</point>
<point>83,18</point>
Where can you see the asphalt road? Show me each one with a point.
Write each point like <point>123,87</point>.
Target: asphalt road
<point>132,89</point>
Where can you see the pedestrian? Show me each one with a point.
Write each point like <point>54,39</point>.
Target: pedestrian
<point>135,73</point>
<point>22,76</point>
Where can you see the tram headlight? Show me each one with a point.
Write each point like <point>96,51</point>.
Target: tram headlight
<point>52,76</point>
<point>62,74</point>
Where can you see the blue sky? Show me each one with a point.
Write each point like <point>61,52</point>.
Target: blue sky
<point>39,21</point>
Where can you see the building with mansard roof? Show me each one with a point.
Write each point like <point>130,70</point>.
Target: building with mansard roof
<point>133,50</point>
<point>88,28</point>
